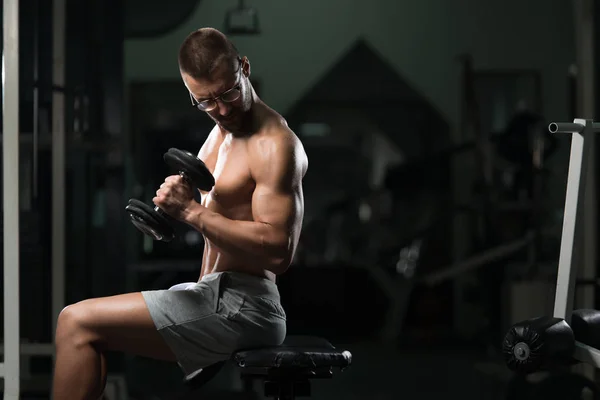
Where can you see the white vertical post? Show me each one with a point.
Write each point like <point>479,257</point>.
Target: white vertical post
<point>58,160</point>
<point>567,262</point>
<point>10,187</point>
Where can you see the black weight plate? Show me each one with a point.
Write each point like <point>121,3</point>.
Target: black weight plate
<point>142,210</point>
<point>159,217</point>
<point>193,167</point>
<point>144,222</point>
<point>149,221</point>
<point>143,217</point>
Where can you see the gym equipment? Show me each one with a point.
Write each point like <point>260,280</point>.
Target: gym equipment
<point>537,343</point>
<point>10,366</point>
<point>285,370</point>
<point>540,342</point>
<point>153,221</point>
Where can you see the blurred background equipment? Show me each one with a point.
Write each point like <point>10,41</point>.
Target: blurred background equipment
<point>242,20</point>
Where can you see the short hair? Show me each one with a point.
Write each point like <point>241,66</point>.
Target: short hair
<point>204,51</point>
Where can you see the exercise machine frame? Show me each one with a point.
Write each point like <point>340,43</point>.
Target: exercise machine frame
<point>569,248</point>
<point>10,368</point>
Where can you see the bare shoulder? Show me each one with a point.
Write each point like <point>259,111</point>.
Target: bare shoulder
<point>277,148</point>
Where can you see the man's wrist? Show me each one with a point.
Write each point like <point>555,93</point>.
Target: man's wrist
<point>193,213</point>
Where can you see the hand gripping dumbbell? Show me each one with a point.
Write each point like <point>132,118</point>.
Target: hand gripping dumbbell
<point>154,222</point>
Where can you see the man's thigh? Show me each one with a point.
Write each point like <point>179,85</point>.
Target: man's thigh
<point>121,323</point>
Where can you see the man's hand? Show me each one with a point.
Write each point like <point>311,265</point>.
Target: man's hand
<point>175,197</point>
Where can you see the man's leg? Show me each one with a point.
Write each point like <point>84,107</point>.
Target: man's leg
<point>87,329</point>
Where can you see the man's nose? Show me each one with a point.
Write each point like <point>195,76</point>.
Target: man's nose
<point>224,108</point>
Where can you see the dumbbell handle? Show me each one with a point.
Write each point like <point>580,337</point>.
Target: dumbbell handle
<point>186,179</point>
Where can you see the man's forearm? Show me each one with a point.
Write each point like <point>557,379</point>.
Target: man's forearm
<point>247,238</point>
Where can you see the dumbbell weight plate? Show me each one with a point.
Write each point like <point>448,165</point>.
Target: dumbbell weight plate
<point>149,221</point>
<point>193,167</point>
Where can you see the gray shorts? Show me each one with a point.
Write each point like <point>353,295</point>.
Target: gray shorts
<point>205,322</point>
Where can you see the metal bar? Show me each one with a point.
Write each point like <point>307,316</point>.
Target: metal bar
<point>476,261</point>
<point>36,98</point>
<point>2,370</point>
<point>567,265</point>
<point>565,127</point>
<point>571,127</point>
<point>34,349</point>
<point>58,161</point>
<point>10,184</point>
<point>88,145</point>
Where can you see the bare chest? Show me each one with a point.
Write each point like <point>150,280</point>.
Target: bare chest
<point>228,162</point>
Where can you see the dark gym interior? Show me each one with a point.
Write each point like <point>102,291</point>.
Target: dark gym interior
<point>434,201</point>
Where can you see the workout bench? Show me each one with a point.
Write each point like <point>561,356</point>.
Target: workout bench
<point>569,336</point>
<point>285,370</point>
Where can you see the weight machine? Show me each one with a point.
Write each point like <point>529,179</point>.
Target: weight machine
<point>9,369</point>
<point>11,142</point>
<point>568,336</point>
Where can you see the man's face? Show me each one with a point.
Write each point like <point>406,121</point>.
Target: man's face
<point>225,97</point>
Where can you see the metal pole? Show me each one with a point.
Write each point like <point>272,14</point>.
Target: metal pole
<point>58,160</point>
<point>36,98</point>
<point>10,187</point>
<point>567,262</point>
<point>565,127</point>
<point>570,127</point>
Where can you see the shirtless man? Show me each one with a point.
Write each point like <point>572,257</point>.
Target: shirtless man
<point>250,220</point>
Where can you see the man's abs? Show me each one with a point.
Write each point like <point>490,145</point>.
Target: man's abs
<point>234,203</point>
<point>217,260</point>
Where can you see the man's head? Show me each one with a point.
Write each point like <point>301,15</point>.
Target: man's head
<point>216,76</point>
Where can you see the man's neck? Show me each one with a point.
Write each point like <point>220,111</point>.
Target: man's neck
<point>252,120</point>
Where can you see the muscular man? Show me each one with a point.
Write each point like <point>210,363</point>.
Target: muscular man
<point>250,220</point>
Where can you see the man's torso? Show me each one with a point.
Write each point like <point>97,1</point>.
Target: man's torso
<point>228,158</point>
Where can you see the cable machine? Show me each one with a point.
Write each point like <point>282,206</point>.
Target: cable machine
<point>9,369</point>
<point>11,143</point>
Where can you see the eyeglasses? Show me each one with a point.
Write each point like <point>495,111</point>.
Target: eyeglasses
<point>229,96</point>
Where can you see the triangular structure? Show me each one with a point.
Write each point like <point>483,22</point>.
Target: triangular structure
<point>363,83</point>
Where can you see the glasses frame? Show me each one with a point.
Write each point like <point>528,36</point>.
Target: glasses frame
<point>213,101</point>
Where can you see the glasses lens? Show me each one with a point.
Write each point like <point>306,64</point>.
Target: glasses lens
<point>207,105</point>
<point>231,95</point>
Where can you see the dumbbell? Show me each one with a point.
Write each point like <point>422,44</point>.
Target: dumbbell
<point>154,222</point>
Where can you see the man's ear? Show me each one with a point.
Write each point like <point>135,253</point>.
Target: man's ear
<point>246,66</point>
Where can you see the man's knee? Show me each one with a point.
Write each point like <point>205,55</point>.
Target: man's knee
<point>74,325</point>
